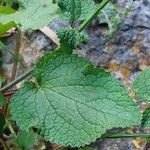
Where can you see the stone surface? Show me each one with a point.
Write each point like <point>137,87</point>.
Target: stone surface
<point>129,47</point>
<point>117,144</point>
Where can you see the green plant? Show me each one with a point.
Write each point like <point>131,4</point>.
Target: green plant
<point>71,101</point>
<point>142,88</point>
<point>110,15</point>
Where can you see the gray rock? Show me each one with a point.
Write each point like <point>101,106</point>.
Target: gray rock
<point>130,45</point>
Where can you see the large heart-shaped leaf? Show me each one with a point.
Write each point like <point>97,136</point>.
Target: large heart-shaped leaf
<point>73,103</point>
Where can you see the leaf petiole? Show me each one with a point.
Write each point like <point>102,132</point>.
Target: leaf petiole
<point>21,78</point>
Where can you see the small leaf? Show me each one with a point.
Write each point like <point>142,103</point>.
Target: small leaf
<point>2,100</point>
<point>142,85</point>
<point>6,10</point>
<point>146,119</point>
<point>5,27</point>
<point>70,37</point>
<point>2,123</point>
<point>26,139</point>
<point>34,14</point>
<point>74,102</point>
<point>108,11</point>
<point>76,9</point>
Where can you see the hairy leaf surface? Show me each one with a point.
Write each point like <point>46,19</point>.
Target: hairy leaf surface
<point>73,103</point>
<point>33,14</point>
<point>76,9</point>
<point>70,37</point>
<point>142,85</point>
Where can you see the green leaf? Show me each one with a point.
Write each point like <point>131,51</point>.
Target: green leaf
<point>5,27</point>
<point>108,11</point>
<point>111,15</point>
<point>146,119</point>
<point>73,103</point>
<point>2,123</point>
<point>34,14</point>
<point>70,37</point>
<point>26,139</point>
<point>2,100</point>
<point>76,9</point>
<point>142,85</point>
<point>6,10</point>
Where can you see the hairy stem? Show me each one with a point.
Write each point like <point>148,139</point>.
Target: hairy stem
<point>21,78</point>
<point>126,135</point>
<point>9,93</point>
<point>93,16</point>
<point>10,127</point>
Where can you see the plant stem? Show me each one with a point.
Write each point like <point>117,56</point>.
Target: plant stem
<point>10,127</point>
<point>14,70</point>
<point>21,78</point>
<point>94,15</point>
<point>9,93</point>
<point>16,58</point>
<point>126,135</point>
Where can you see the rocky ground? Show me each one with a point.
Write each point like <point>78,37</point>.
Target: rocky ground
<point>125,54</point>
